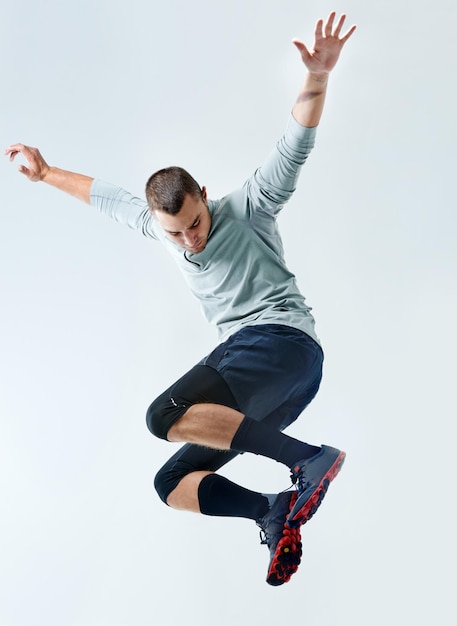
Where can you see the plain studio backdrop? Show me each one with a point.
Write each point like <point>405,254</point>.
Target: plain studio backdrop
<point>96,320</point>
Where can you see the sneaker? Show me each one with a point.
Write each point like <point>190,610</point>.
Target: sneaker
<point>284,542</point>
<point>312,478</point>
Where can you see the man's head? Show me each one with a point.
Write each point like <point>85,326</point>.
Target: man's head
<point>180,206</point>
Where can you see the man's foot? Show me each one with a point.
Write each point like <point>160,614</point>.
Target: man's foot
<point>312,478</point>
<point>284,542</point>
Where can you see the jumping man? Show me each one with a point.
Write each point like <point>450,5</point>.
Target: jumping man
<point>267,366</point>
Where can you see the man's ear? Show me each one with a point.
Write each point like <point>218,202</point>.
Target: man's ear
<point>204,196</point>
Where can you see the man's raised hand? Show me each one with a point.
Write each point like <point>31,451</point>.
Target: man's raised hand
<point>36,168</point>
<point>77,185</point>
<point>328,44</point>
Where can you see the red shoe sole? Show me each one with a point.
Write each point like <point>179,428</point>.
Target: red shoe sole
<point>287,556</point>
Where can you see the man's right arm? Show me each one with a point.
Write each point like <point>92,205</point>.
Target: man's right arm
<point>37,169</point>
<point>114,202</point>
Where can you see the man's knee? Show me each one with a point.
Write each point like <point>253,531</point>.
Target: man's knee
<point>162,414</point>
<point>161,485</point>
<point>170,475</point>
<point>201,384</point>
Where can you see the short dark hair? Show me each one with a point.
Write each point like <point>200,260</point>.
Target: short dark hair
<point>167,189</point>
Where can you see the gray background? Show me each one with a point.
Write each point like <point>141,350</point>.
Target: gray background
<point>95,321</point>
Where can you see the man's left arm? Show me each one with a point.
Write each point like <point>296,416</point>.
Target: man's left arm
<point>319,61</point>
<point>272,185</point>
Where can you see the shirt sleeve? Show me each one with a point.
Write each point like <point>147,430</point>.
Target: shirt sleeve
<point>274,182</point>
<point>123,207</point>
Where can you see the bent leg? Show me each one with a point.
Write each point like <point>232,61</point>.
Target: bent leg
<point>183,486</point>
<point>201,392</point>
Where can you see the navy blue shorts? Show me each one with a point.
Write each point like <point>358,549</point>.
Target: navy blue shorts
<point>268,372</point>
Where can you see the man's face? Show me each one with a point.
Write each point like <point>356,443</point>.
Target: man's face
<point>190,227</point>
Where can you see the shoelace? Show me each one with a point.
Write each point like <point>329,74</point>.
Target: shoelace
<point>299,480</point>
<point>263,537</point>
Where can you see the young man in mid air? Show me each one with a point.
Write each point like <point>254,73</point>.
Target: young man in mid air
<point>267,366</point>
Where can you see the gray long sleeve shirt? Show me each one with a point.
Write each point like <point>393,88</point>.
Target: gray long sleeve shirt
<point>240,278</point>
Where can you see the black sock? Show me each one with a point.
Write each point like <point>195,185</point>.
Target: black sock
<point>259,438</point>
<point>219,496</point>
